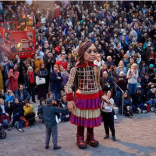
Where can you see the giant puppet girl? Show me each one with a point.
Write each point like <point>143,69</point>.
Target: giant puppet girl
<point>85,104</point>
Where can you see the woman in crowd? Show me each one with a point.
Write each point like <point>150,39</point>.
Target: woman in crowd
<point>132,76</point>
<point>22,69</point>
<point>38,62</point>
<point>30,82</point>
<point>120,68</point>
<point>42,88</point>
<point>108,116</point>
<point>13,78</point>
<point>29,112</point>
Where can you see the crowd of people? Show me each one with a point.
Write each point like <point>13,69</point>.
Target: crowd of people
<point>124,34</point>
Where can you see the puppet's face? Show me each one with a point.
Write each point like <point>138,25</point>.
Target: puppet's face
<point>90,54</point>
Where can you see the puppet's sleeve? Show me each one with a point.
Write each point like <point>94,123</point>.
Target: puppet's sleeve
<point>98,82</point>
<point>69,84</point>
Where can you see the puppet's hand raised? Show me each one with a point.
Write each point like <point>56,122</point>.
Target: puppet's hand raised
<point>71,106</point>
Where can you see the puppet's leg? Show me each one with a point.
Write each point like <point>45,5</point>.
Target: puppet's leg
<point>90,138</point>
<point>80,138</point>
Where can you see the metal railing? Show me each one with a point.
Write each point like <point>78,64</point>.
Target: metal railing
<point>122,97</point>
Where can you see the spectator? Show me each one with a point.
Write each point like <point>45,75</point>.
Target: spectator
<point>40,114</point>
<point>17,109</point>
<point>127,105</point>
<point>38,63</point>
<point>30,82</point>
<point>122,83</point>
<point>106,82</point>
<point>130,52</point>
<point>98,61</point>
<point>55,80</point>
<point>13,78</point>
<point>63,104</point>
<point>22,94</point>
<point>146,82</point>
<point>138,101</point>
<point>62,61</point>
<point>42,88</point>
<point>4,117</point>
<point>21,68</point>
<point>109,62</point>
<point>132,76</point>
<point>29,113</point>
<point>121,67</point>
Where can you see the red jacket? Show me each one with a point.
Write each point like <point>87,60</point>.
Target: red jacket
<point>64,64</point>
<point>13,81</point>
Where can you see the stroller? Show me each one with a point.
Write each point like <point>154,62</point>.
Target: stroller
<point>2,132</point>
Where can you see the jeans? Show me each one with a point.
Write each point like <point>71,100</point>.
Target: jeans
<point>152,102</point>
<point>132,88</point>
<point>118,98</point>
<point>51,131</point>
<point>56,95</point>
<point>141,106</point>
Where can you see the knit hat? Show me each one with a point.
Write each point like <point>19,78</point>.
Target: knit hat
<point>151,65</point>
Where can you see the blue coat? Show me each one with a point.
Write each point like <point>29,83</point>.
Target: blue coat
<point>55,83</point>
<point>49,113</point>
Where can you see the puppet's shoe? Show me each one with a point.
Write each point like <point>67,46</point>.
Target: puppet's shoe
<point>80,142</point>
<point>91,141</point>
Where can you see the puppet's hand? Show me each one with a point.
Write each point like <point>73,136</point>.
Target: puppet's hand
<point>71,106</point>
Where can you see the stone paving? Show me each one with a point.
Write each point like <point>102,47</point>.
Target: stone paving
<point>135,137</point>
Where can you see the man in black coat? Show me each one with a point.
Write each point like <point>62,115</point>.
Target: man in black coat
<point>55,80</point>
<point>49,112</point>
<point>106,82</point>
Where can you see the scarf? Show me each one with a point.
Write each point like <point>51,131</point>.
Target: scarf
<point>31,77</point>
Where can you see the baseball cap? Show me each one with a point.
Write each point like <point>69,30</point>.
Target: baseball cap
<point>49,100</point>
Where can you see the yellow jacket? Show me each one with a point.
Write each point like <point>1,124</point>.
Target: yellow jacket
<point>37,65</point>
<point>28,110</point>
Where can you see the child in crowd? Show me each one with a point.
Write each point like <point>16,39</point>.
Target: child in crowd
<point>63,104</point>
<point>40,114</point>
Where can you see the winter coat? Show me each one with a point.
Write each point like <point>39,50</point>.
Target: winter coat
<point>37,65</point>
<point>13,80</point>
<point>27,81</point>
<point>49,113</point>
<point>55,83</point>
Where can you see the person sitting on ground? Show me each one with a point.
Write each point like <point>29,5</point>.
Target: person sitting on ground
<point>138,101</point>
<point>4,117</point>
<point>17,109</point>
<point>127,105</point>
<point>29,112</point>
<point>9,99</point>
<point>151,98</point>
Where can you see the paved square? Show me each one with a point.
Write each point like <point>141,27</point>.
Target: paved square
<point>135,137</point>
